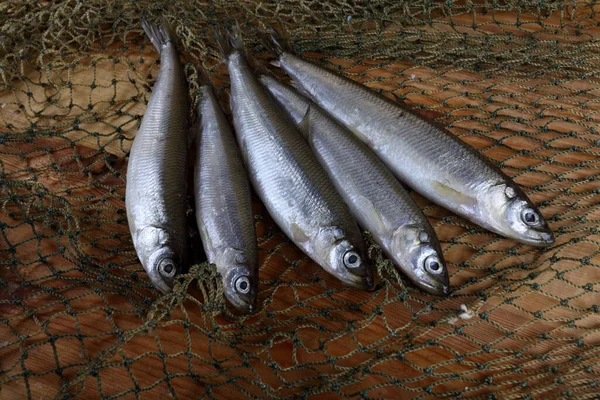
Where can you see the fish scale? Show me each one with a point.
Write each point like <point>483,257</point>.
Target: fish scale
<point>155,196</point>
<point>267,151</point>
<point>432,161</point>
<point>287,177</point>
<point>375,197</point>
<point>224,206</point>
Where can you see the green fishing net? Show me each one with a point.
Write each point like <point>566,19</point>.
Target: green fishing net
<point>519,80</point>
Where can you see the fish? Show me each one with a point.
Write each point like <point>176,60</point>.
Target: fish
<point>224,204</point>
<point>156,189</point>
<point>287,177</point>
<point>421,153</point>
<point>375,197</point>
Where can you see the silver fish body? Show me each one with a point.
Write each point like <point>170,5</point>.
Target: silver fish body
<point>224,205</point>
<point>156,187</point>
<point>431,160</point>
<point>290,181</point>
<point>375,197</point>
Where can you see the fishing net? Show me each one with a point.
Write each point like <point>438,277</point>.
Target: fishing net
<point>519,80</point>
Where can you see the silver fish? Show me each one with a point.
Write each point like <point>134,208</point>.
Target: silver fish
<point>156,187</point>
<point>224,206</point>
<point>288,178</point>
<point>375,197</point>
<point>423,155</point>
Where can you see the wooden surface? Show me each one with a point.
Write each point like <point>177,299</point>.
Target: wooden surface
<point>85,312</point>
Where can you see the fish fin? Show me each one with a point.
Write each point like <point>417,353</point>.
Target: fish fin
<point>260,69</point>
<point>298,234</point>
<point>203,77</point>
<point>304,124</point>
<point>224,79</point>
<point>370,213</point>
<point>230,41</point>
<point>264,71</point>
<point>447,192</point>
<point>194,133</point>
<point>267,42</point>
<point>244,151</point>
<point>194,126</point>
<point>399,238</point>
<point>235,38</point>
<point>160,34</point>
<point>277,41</point>
<point>300,89</point>
<point>222,42</point>
<point>257,66</point>
<point>398,98</point>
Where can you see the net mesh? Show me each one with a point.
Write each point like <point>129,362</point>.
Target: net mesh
<point>519,80</point>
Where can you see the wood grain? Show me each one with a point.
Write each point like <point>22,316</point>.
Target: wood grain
<point>86,165</point>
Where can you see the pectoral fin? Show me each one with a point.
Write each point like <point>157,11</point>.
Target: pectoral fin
<point>298,234</point>
<point>193,134</point>
<point>374,221</point>
<point>300,89</point>
<point>467,203</point>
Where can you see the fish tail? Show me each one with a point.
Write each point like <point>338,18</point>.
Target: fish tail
<point>230,41</point>
<point>161,34</point>
<point>261,71</point>
<point>222,42</point>
<point>235,37</point>
<point>203,77</point>
<point>280,42</point>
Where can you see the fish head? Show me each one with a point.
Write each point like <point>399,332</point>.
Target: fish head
<point>419,253</point>
<point>240,283</point>
<point>514,215</point>
<point>158,257</point>
<point>343,258</point>
<point>162,267</point>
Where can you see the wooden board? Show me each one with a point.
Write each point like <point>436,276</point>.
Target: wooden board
<point>72,325</point>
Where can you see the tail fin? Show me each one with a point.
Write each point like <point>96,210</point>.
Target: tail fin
<point>223,43</point>
<point>230,41</point>
<point>279,42</point>
<point>160,34</point>
<point>235,37</point>
<point>203,77</point>
<point>262,71</point>
<point>233,41</point>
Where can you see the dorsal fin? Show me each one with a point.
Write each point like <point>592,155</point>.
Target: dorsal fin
<point>304,124</point>
<point>300,89</point>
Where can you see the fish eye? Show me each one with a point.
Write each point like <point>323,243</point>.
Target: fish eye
<point>167,268</point>
<point>433,264</point>
<point>242,285</point>
<point>352,259</point>
<point>529,216</point>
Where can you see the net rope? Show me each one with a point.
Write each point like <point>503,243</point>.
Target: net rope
<point>519,80</point>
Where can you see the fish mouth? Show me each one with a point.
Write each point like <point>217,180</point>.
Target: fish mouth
<point>361,277</point>
<point>436,290</point>
<point>362,280</point>
<point>247,308</point>
<point>366,283</point>
<point>542,239</point>
<point>359,282</point>
<point>242,305</point>
<point>162,286</point>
